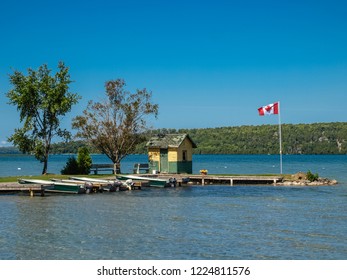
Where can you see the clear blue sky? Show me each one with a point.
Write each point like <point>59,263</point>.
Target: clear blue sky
<point>207,63</point>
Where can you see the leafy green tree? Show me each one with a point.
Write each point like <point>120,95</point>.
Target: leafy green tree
<point>84,160</point>
<point>41,99</point>
<point>116,125</point>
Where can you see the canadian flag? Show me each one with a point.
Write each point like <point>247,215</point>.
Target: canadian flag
<point>271,109</point>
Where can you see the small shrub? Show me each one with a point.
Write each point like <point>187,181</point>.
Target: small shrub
<point>84,160</point>
<point>311,177</point>
<point>71,167</point>
<point>80,166</point>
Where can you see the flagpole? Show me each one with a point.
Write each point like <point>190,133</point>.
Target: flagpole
<point>280,135</point>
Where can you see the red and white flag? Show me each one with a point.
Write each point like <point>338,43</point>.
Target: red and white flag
<point>271,109</point>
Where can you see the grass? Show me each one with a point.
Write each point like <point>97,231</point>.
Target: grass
<point>104,176</point>
<point>48,177</point>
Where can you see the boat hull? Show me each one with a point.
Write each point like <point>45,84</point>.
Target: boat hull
<point>153,182</point>
<point>105,185</point>
<point>56,187</point>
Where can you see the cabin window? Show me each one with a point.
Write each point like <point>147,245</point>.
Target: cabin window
<point>184,155</point>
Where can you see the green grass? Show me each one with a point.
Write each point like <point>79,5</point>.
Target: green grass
<point>105,176</point>
<point>49,177</point>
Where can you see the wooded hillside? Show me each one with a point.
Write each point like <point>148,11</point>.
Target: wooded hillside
<point>317,138</point>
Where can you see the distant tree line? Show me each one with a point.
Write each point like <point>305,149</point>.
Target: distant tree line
<point>9,150</point>
<point>317,138</point>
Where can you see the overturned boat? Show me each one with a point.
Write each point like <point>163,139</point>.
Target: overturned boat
<point>153,182</point>
<point>105,185</point>
<point>57,187</point>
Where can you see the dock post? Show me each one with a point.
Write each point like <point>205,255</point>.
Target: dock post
<point>203,181</point>
<point>31,192</point>
<point>231,182</point>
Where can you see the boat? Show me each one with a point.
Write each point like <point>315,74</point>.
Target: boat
<point>106,185</point>
<point>56,187</point>
<point>153,182</point>
<point>89,187</point>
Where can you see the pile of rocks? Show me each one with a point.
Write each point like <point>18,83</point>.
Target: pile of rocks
<point>300,179</point>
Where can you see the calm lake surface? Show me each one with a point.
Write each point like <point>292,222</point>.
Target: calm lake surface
<point>210,222</point>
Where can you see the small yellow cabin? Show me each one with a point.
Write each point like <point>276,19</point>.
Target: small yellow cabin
<point>171,153</point>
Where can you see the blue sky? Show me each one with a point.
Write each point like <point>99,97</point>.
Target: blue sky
<point>207,63</point>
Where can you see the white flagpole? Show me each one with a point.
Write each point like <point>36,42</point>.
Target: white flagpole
<point>280,135</point>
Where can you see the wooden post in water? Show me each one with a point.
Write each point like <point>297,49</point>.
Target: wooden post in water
<point>231,182</point>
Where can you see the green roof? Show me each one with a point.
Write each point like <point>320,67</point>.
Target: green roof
<point>165,141</point>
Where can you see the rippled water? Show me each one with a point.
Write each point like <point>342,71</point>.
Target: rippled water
<point>211,222</point>
<point>182,223</point>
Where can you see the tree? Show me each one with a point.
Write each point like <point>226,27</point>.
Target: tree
<point>42,100</point>
<point>84,160</point>
<point>115,125</point>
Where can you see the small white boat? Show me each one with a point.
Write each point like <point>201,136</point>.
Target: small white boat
<point>107,185</point>
<point>153,182</point>
<point>56,187</point>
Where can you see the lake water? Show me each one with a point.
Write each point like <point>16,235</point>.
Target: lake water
<point>325,165</point>
<point>195,222</point>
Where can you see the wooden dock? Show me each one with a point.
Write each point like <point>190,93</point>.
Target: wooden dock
<point>15,187</point>
<point>234,180</point>
<point>230,180</point>
<point>138,185</point>
<point>182,179</point>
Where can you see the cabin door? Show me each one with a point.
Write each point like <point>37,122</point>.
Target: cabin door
<point>164,161</point>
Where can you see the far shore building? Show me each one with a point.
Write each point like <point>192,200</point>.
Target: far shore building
<point>171,153</point>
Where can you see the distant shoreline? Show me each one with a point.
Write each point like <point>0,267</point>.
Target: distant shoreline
<point>298,139</point>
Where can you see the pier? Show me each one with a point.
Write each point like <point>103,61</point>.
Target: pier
<point>31,189</point>
<point>234,180</point>
<point>182,179</point>
<point>221,179</point>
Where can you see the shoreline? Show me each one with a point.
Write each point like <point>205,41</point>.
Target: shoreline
<point>299,179</point>
<point>302,179</point>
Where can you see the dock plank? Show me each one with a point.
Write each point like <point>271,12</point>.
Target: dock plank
<point>225,179</point>
<point>16,188</point>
